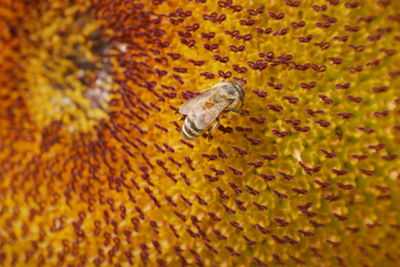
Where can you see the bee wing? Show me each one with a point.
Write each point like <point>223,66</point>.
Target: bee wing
<point>203,118</point>
<point>188,105</point>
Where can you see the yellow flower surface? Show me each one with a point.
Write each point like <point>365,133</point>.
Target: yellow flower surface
<point>94,170</point>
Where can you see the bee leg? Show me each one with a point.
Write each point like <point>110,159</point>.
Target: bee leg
<point>236,111</point>
<point>216,124</point>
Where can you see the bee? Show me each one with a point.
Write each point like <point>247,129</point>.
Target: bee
<point>202,111</point>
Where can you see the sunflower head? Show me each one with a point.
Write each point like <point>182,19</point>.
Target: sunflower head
<point>95,170</point>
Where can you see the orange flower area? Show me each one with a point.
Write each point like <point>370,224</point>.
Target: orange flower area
<point>94,170</point>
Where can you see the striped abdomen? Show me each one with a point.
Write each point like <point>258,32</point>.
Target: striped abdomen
<point>189,130</point>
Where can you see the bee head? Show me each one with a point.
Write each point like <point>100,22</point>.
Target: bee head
<point>232,90</point>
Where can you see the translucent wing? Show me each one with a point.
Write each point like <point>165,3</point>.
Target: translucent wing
<point>189,104</point>
<point>203,117</point>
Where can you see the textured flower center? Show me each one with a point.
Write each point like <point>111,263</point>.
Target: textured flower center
<point>310,175</point>
<point>66,68</point>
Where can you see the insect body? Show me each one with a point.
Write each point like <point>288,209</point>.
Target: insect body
<point>203,110</point>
